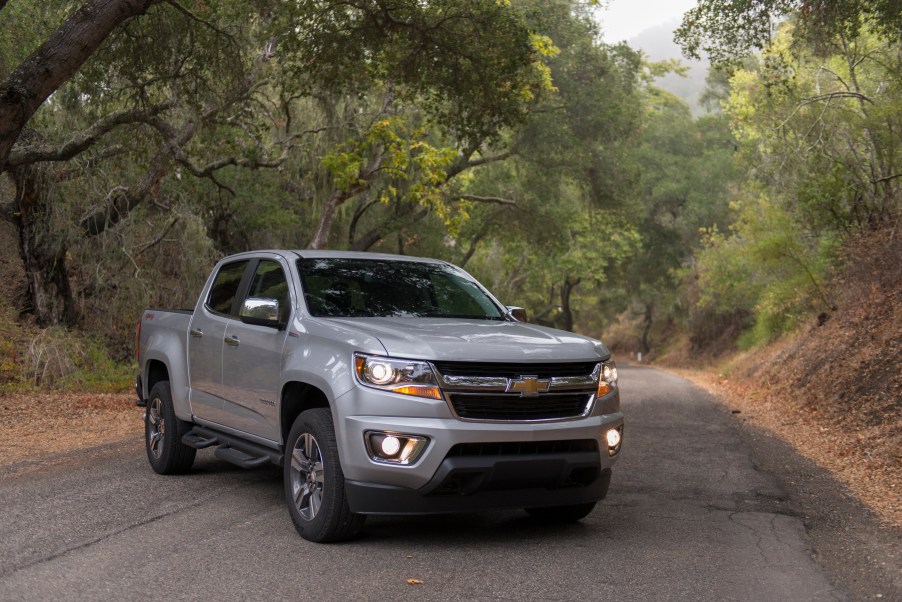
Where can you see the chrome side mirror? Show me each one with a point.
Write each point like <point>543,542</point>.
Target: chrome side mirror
<point>517,313</point>
<point>260,310</point>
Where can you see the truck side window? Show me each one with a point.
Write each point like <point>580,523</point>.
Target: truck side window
<point>225,287</point>
<point>270,283</point>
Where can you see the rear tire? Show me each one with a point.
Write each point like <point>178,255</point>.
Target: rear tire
<point>561,514</point>
<point>163,433</point>
<point>315,483</point>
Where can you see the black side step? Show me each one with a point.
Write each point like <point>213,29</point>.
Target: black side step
<point>236,456</point>
<point>198,441</point>
<point>245,454</point>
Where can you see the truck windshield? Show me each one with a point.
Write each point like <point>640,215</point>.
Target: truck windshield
<point>342,287</point>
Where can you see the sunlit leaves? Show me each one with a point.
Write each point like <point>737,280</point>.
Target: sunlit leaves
<point>401,164</point>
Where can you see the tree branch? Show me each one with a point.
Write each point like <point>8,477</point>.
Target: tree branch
<point>486,199</point>
<point>83,140</point>
<point>121,200</point>
<point>58,59</point>
<point>93,159</point>
<point>486,160</point>
<point>358,213</point>
<point>194,17</point>
<point>387,227</point>
<point>324,228</point>
<point>886,178</point>
<point>832,95</point>
<point>487,225</point>
<point>157,239</point>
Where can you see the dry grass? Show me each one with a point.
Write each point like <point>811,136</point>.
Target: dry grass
<point>36,425</point>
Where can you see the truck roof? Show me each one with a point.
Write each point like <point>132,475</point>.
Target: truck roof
<point>328,254</point>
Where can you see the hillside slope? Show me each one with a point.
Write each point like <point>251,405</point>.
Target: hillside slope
<point>834,390</point>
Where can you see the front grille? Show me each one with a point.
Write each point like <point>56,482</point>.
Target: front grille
<point>514,370</point>
<point>514,407</point>
<point>523,448</point>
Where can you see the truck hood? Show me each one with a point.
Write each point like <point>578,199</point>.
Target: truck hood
<point>475,340</point>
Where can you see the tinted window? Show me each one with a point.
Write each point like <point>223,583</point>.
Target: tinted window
<point>367,287</point>
<point>225,287</point>
<point>270,283</point>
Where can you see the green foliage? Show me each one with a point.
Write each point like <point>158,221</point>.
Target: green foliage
<point>57,358</point>
<point>727,31</point>
<point>688,169</point>
<point>470,63</point>
<point>500,134</point>
<point>96,372</point>
<point>24,25</point>
<point>814,122</point>
<point>768,267</point>
<point>821,129</point>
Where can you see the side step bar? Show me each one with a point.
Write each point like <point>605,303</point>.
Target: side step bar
<point>245,454</point>
<point>193,439</point>
<point>235,456</point>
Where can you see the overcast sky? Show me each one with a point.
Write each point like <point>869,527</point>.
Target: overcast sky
<point>625,18</point>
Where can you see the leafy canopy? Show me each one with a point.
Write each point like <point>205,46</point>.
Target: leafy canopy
<point>728,30</point>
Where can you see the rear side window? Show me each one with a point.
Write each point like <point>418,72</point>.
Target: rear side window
<point>225,287</point>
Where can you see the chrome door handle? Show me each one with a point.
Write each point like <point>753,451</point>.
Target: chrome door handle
<point>196,332</point>
<point>232,340</point>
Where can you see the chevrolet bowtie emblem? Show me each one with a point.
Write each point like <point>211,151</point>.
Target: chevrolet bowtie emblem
<point>528,386</point>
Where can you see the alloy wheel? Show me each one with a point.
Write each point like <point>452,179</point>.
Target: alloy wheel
<point>156,427</point>
<point>307,476</point>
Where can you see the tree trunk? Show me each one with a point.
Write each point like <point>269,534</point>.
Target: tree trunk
<point>58,59</point>
<point>566,310</point>
<point>324,228</point>
<point>43,253</point>
<point>644,346</point>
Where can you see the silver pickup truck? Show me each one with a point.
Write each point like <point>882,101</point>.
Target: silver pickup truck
<point>382,384</point>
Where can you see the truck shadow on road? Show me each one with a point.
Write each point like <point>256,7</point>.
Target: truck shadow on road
<point>492,527</point>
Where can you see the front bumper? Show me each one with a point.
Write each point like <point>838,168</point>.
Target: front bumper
<point>373,498</point>
<point>491,481</point>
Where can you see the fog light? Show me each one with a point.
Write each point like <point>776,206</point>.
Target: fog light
<point>391,446</point>
<point>614,437</point>
<point>394,448</point>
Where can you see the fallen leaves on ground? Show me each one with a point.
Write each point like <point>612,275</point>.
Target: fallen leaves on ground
<point>864,457</point>
<point>34,425</point>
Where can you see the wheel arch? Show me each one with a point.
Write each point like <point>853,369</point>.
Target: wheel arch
<point>297,397</point>
<point>156,371</point>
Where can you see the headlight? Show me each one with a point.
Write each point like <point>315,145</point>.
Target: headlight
<point>407,377</point>
<point>607,378</point>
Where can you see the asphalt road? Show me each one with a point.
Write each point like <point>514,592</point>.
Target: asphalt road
<point>701,507</point>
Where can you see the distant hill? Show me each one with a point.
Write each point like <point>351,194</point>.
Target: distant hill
<point>657,42</point>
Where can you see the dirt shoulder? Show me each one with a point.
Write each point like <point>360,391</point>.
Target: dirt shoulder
<point>36,426</point>
<point>864,457</point>
<point>832,390</point>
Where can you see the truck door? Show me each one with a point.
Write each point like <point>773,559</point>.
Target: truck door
<point>205,341</point>
<point>252,356</point>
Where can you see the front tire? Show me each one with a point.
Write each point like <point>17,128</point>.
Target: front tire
<point>561,514</point>
<point>314,482</point>
<point>163,433</point>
